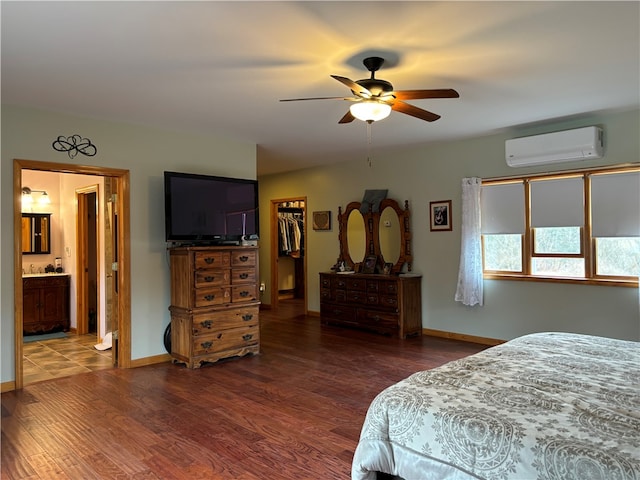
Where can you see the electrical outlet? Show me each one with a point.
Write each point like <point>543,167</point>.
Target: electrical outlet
<point>262,287</point>
<point>67,251</point>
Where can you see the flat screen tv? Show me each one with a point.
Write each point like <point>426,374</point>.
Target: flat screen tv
<point>209,210</point>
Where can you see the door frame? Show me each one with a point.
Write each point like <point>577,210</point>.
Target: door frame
<point>274,250</point>
<point>82,254</point>
<point>124,258</point>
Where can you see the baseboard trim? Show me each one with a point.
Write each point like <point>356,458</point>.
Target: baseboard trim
<point>143,362</point>
<point>7,386</point>
<point>462,337</point>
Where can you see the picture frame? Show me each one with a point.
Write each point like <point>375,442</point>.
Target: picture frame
<point>387,268</point>
<point>369,264</point>
<point>322,220</point>
<point>440,216</point>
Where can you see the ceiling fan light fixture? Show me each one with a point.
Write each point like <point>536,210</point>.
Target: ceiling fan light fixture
<point>370,110</point>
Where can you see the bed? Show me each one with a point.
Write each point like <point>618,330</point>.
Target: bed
<point>543,406</point>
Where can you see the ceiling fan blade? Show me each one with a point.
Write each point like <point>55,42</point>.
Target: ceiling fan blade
<point>355,88</point>
<point>419,94</point>
<point>402,107</point>
<point>348,118</point>
<point>317,98</point>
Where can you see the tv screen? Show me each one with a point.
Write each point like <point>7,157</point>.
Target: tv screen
<point>208,209</point>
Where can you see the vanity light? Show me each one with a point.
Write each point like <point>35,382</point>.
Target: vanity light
<point>27,197</point>
<point>370,110</point>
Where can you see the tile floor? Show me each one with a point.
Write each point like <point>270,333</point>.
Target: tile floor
<point>62,357</point>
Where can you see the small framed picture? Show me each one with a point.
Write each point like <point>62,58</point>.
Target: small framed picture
<point>387,268</point>
<point>322,220</point>
<point>440,214</point>
<point>369,264</point>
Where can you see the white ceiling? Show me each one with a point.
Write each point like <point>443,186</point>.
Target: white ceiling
<point>221,67</point>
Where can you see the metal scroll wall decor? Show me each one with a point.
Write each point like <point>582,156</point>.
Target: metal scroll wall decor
<point>75,144</point>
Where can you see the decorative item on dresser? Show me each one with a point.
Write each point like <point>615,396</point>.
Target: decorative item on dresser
<point>214,303</point>
<point>45,303</point>
<point>375,246</point>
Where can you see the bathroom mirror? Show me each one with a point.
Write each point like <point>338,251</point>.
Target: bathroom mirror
<point>385,234</point>
<point>36,233</point>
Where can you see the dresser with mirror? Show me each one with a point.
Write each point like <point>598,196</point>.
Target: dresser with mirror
<point>372,286</point>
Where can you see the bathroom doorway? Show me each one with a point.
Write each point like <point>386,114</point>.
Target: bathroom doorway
<point>118,181</point>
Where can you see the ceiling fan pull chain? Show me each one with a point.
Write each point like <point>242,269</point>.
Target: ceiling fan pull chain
<point>369,143</point>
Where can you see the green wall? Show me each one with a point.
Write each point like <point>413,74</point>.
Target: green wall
<point>146,153</point>
<point>432,173</point>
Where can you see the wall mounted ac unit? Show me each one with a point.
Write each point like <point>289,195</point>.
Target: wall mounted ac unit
<point>566,146</point>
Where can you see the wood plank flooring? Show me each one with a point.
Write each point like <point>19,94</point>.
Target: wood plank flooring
<point>292,412</point>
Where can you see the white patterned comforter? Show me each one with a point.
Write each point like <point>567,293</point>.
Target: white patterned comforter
<point>543,406</point>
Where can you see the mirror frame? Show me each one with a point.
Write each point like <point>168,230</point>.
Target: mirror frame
<point>372,230</point>
<point>37,245</point>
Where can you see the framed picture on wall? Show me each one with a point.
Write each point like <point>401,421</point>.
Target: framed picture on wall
<point>322,220</point>
<point>440,214</point>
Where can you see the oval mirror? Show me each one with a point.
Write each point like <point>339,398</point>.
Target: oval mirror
<point>389,235</point>
<point>356,236</point>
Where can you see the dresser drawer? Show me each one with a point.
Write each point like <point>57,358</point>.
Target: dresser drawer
<point>212,278</point>
<point>239,258</point>
<point>389,301</point>
<point>356,284</point>
<point>226,340</point>
<point>325,282</point>
<point>243,275</point>
<point>325,294</point>
<point>355,296</point>
<point>206,297</point>
<point>389,288</point>
<point>244,293</point>
<point>372,318</point>
<point>206,323</point>
<point>338,312</point>
<point>204,260</point>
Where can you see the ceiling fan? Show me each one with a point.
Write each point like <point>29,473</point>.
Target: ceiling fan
<point>374,98</point>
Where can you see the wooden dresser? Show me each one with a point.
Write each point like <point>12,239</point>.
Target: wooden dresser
<point>214,303</point>
<point>45,304</point>
<point>387,304</point>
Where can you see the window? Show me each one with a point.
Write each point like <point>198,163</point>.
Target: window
<point>573,226</point>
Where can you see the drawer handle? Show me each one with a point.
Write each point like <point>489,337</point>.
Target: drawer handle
<point>243,258</point>
<point>209,278</point>
<point>247,337</point>
<point>244,293</point>
<point>209,297</point>
<point>209,260</point>
<point>247,317</point>
<point>376,318</point>
<point>207,345</point>
<point>244,275</point>
<point>206,323</point>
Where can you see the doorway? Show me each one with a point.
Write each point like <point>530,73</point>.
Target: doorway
<point>87,261</point>
<point>118,180</point>
<point>288,262</point>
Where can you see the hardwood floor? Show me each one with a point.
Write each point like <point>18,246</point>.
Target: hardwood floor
<point>292,412</point>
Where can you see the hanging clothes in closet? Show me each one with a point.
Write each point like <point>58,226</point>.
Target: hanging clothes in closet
<point>291,232</point>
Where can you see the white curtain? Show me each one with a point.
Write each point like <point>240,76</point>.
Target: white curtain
<point>469,290</point>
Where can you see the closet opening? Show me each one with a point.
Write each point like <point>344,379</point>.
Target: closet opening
<point>288,255</point>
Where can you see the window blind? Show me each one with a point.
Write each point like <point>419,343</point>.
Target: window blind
<point>557,202</point>
<point>615,204</point>
<point>502,208</point>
